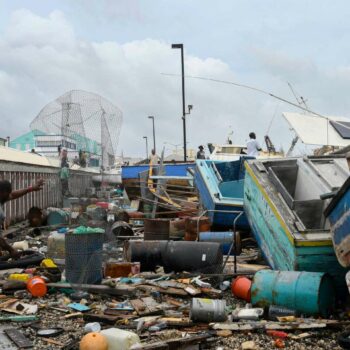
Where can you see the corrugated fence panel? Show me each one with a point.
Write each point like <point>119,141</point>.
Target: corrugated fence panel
<point>22,176</point>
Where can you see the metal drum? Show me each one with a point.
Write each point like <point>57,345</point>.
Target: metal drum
<point>195,225</point>
<point>208,310</point>
<point>225,239</point>
<point>310,293</point>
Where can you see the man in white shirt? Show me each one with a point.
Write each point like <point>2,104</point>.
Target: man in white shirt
<point>154,158</point>
<point>253,147</point>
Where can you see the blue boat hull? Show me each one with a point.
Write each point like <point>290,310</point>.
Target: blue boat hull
<point>208,188</point>
<point>338,213</point>
<point>132,171</point>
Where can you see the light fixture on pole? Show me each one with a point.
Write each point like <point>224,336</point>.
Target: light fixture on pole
<point>146,138</point>
<point>181,47</point>
<point>154,133</point>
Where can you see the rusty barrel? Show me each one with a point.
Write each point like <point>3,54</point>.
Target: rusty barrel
<point>156,229</point>
<point>193,227</point>
<point>177,228</point>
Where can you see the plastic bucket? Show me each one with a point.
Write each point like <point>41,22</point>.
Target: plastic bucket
<point>84,258</point>
<point>37,286</point>
<point>241,288</point>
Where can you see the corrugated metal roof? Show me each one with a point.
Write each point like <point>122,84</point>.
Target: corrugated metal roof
<point>15,156</point>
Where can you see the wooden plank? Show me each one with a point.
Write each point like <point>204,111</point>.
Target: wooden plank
<point>146,306</point>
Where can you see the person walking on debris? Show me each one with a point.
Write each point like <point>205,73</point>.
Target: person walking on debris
<point>154,158</point>
<point>6,194</point>
<point>64,173</point>
<point>253,147</point>
<point>201,153</point>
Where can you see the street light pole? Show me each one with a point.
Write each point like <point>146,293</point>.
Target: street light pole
<point>181,47</point>
<point>146,138</point>
<point>154,133</point>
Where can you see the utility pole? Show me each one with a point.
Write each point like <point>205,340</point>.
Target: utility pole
<point>154,133</point>
<point>146,138</point>
<point>181,47</point>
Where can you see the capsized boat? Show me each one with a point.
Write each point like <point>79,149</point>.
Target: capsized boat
<point>220,187</point>
<point>284,206</point>
<point>338,214</point>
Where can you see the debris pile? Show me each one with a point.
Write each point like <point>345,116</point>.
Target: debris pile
<point>101,275</point>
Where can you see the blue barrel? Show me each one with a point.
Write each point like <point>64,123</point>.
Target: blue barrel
<point>225,240</point>
<point>310,293</point>
<point>84,258</point>
<point>57,217</point>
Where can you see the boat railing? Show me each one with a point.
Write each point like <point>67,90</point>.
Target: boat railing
<point>216,172</point>
<point>234,241</point>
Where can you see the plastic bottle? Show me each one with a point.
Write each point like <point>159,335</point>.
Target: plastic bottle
<point>56,245</point>
<point>119,339</point>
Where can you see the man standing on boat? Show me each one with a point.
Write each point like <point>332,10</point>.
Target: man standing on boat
<point>253,147</point>
<point>201,153</point>
<point>154,158</point>
<point>64,173</point>
<point>6,194</point>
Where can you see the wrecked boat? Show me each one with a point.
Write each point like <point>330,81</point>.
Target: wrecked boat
<point>220,187</point>
<point>338,214</point>
<point>284,200</point>
<point>131,176</point>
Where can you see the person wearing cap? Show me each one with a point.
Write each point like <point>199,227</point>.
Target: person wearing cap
<point>201,153</point>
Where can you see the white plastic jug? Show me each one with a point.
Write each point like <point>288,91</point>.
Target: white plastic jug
<point>119,339</point>
<point>56,245</point>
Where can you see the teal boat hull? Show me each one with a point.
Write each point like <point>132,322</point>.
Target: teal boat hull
<point>279,250</point>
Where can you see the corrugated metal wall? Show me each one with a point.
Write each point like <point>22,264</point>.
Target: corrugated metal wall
<point>22,176</point>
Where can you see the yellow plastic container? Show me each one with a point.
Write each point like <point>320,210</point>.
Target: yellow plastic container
<point>24,277</point>
<point>48,263</point>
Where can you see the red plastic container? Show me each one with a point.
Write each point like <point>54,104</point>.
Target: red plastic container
<point>241,287</point>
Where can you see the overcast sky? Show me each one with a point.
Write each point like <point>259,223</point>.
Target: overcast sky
<point>119,48</point>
